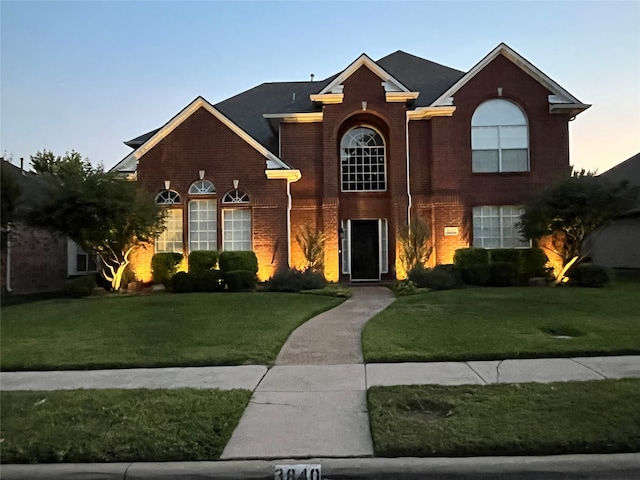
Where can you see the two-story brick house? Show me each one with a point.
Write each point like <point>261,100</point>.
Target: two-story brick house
<point>356,156</point>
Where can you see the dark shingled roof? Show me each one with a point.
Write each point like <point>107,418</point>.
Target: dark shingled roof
<point>247,108</point>
<point>628,170</point>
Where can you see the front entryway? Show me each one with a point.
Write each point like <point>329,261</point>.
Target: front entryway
<point>365,250</point>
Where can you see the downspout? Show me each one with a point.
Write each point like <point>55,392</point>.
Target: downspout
<point>7,284</point>
<point>289,222</point>
<point>408,177</point>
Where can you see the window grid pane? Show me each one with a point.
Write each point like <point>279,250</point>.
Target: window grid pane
<point>202,225</point>
<point>171,239</point>
<point>362,160</point>
<point>236,232</point>
<point>497,227</point>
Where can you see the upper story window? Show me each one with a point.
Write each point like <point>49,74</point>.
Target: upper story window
<point>499,138</point>
<point>202,187</point>
<point>168,197</point>
<point>362,161</point>
<point>235,196</point>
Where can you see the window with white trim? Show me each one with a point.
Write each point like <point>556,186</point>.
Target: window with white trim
<point>499,138</point>
<point>497,227</point>
<point>203,234</point>
<point>384,246</point>
<point>168,197</point>
<point>170,240</point>
<point>362,161</point>
<point>80,262</point>
<point>235,196</point>
<point>236,229</point>
<point>202,187</point>
<point>345,247</point>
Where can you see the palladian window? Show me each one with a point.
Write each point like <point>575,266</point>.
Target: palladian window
<point>362,161</point>
<point>236,222</point>
<point>499,138</point>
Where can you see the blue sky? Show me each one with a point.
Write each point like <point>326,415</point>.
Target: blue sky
<point>88,75</point>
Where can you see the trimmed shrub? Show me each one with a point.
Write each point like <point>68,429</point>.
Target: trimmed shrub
<point>509,255</point>
<point>80,286</point>
<point>452,270</point>
<point>476,275</point>
<point>533,263</point>
<point>589,275</point>
<point>465,257</point>
<point>241,260</point>
<point>436,279</point>
<point>294,280</point>
<point>240,280</point>
<point>164,266</point>
<point>183,282</point>
<point>201,261</point>
<point>503,274</point>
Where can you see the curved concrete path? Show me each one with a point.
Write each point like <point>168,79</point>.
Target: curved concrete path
<point>333,337</point>
<point>313,402</point>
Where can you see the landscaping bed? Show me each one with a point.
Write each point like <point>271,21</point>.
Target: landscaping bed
<point>525,419</point>
<point>118,425</point>
<point>495,323</point>
<point>194,329</point>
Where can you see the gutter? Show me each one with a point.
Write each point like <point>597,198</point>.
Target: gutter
<point>292,175</point>
<point>408,178</point>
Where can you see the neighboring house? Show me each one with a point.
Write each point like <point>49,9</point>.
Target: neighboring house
<point>618,245</point>
<point>357,155</point>
<point>36,260</point>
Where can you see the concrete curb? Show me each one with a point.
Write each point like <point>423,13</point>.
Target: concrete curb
<point>566,467</point>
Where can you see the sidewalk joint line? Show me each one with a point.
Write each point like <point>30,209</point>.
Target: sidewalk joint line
<point>498,370</point>
<point>589,368</point>
<point>477,374</point>
<point>126,471</point>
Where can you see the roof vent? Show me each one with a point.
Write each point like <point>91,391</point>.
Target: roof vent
<point>312,77</point>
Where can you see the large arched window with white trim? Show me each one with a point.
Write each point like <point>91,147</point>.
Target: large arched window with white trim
<point>362,161</point>
<point>236,222</point>
<point>170,240</point>
<point>203,216</point>
<point>499,138</point>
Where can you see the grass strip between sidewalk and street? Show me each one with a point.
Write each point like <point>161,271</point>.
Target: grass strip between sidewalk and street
<point>496,323</point>
<point>196,329</point>
<point>118,425</point>
<point>523,419</point>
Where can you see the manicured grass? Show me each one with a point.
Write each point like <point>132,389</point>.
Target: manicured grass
<point>156,330</point>
<point>118,425</point>
<point>526,419</point>
<point>496,323</point>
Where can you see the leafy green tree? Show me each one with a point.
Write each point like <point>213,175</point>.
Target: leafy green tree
<point>102,212</point>
<point>414,244</point>
<point>11,191</point>
<point>573,208</point>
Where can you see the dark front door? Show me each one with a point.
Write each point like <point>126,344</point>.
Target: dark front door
<point>365,251</point>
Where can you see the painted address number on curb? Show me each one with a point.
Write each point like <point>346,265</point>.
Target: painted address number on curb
<point>298,472</point>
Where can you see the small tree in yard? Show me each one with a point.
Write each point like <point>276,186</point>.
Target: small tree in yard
<point>414,242</point>
<point>312,245</point>
<point>572,209</point>
<point>102,212</point>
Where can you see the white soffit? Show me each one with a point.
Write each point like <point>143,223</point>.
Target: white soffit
<point>271,160</point>
<point>560,95</point>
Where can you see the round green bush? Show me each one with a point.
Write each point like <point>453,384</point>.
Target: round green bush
<point>589,275</point>
<point>240,280</point>
<point>503,274</point>
<point>294,280</point>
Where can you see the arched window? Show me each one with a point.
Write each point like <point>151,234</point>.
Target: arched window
<point>236,222</point>
<point>499,138</point>
<point>202,187</point>
<point>235,196</point>
<point>362,161</point>
<point>168,197</point>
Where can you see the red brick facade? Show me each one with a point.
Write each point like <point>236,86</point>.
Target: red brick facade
<point>442,188</point>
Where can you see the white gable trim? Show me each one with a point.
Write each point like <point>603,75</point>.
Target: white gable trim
<point>561,96</point>
<point>271,160</point>
<point>332,93</point>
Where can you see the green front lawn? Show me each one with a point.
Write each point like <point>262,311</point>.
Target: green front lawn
<point>118,425</point>
<point>151,331</point>
<point>526,419</point>
<point>496,323</point>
